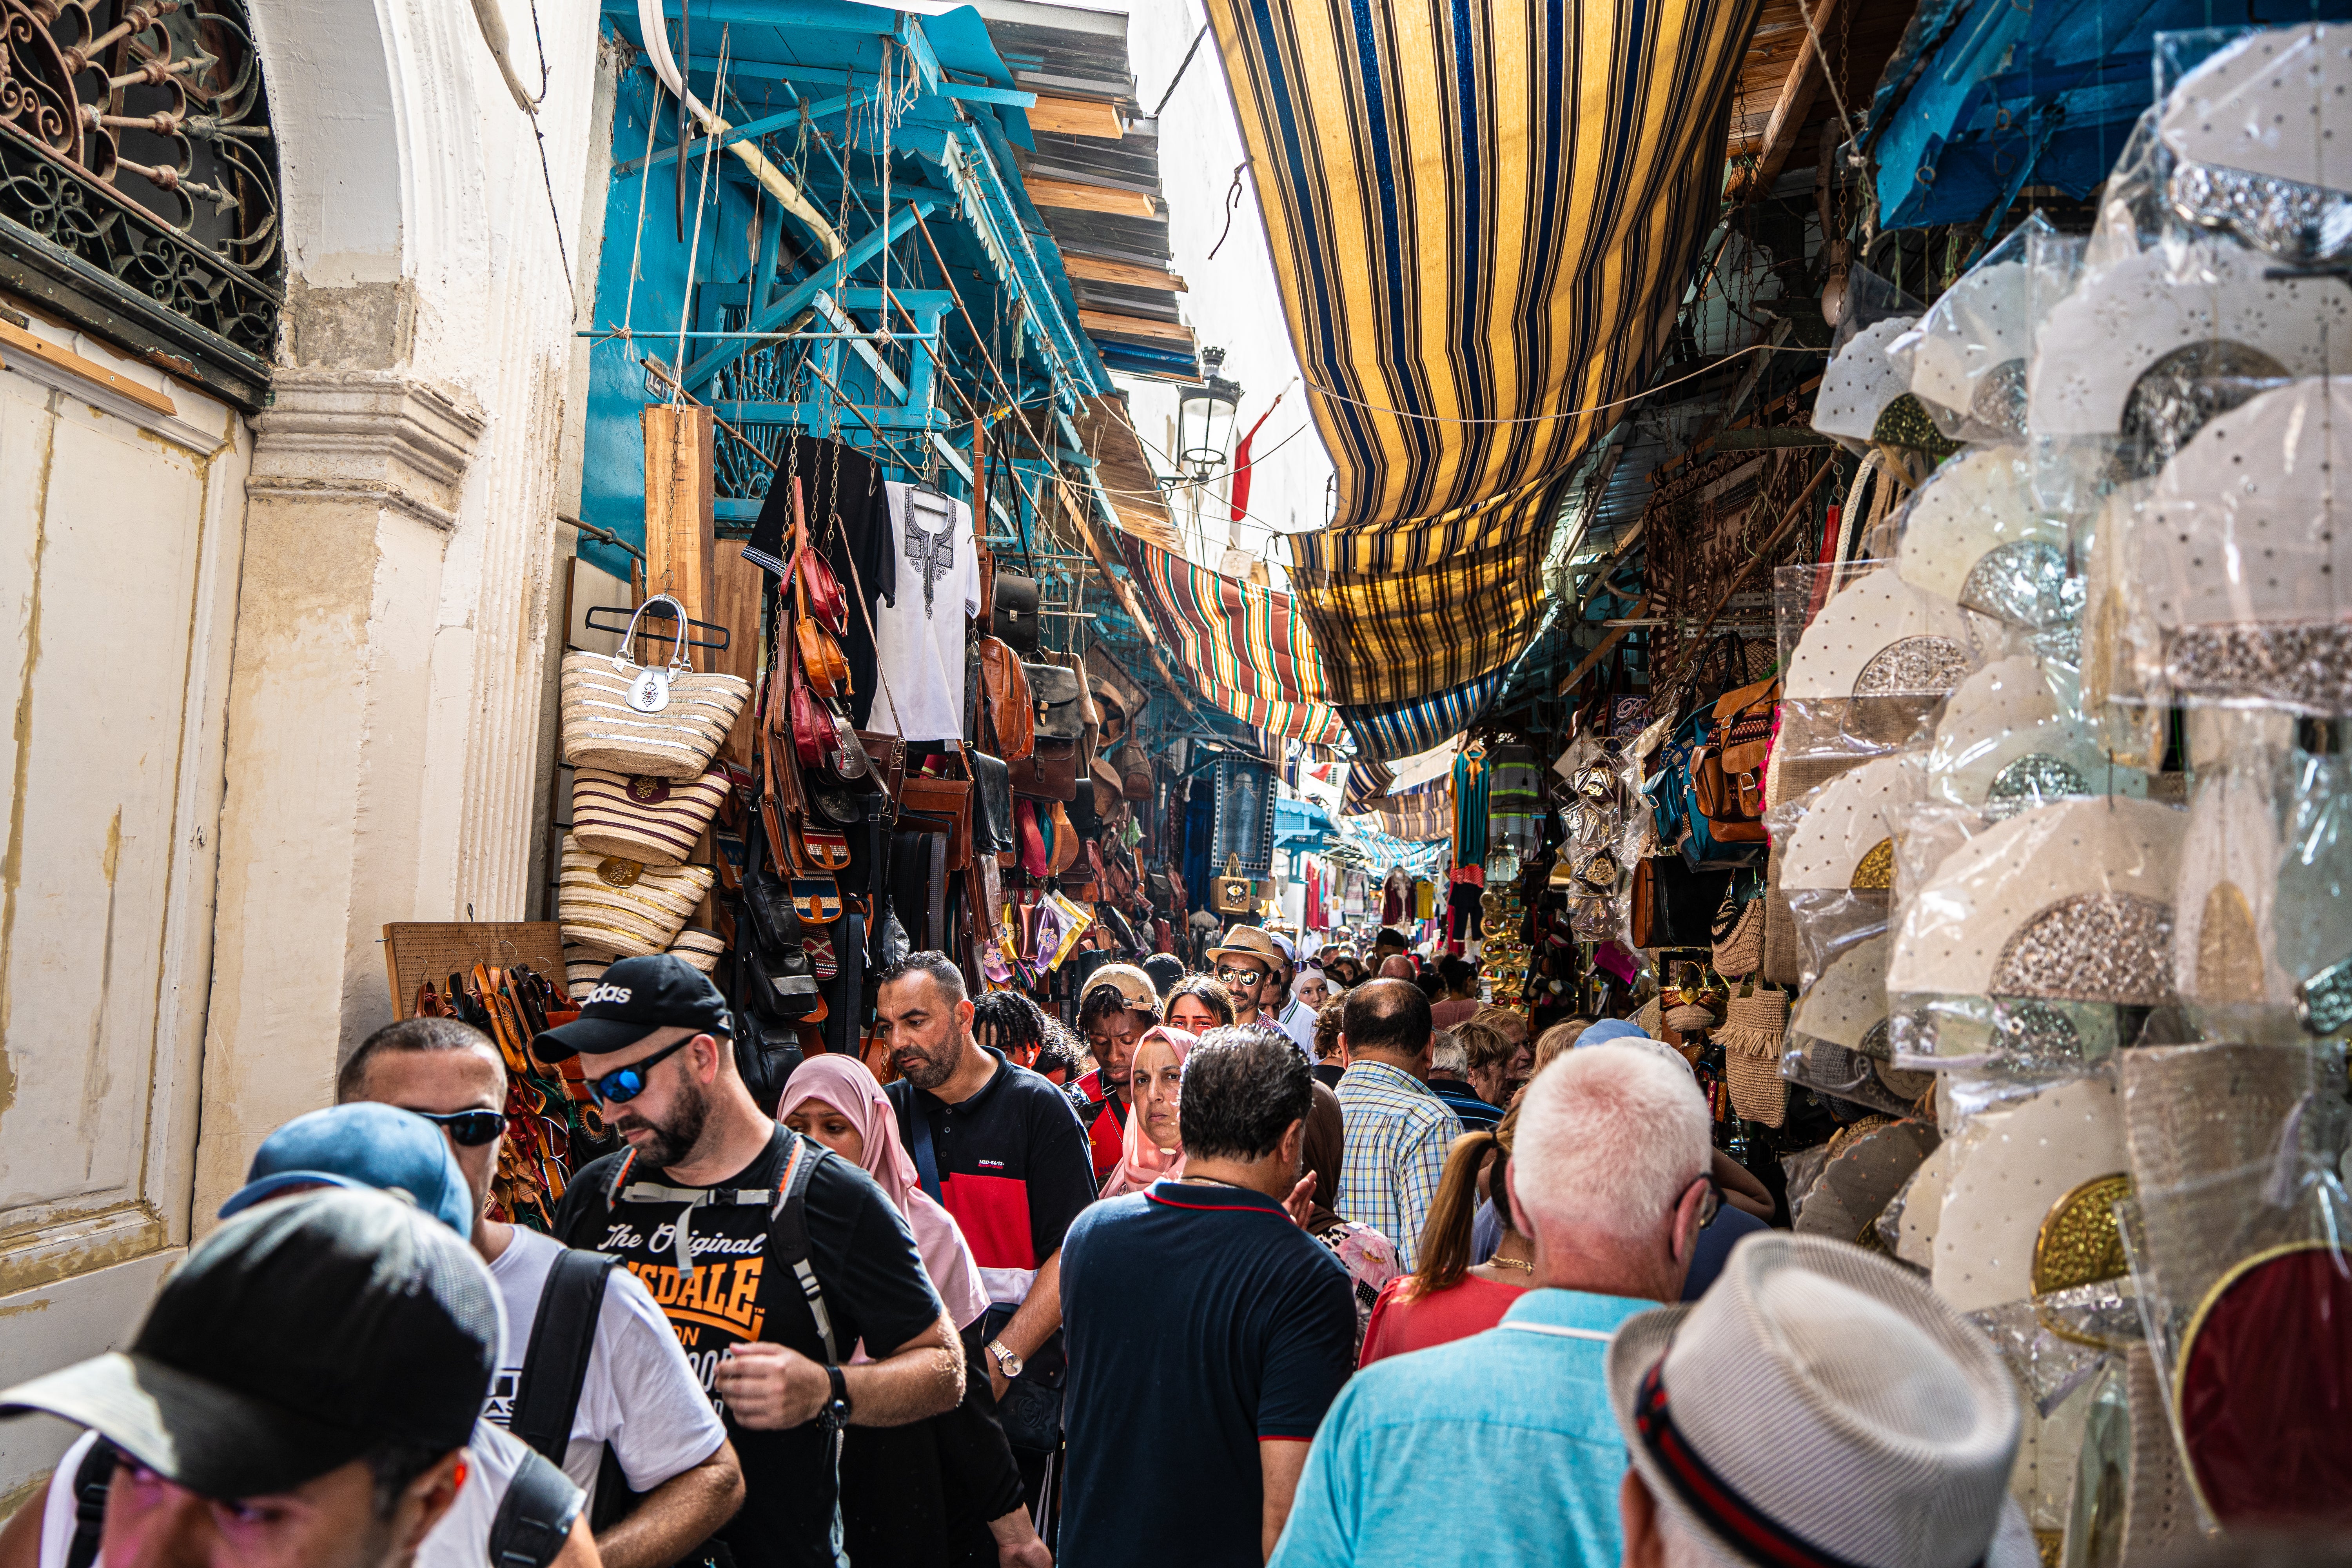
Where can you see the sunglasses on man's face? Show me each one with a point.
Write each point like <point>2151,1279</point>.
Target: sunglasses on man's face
<point>468,1129</point>
<point>1241,976</point>
<point>623,1085</point>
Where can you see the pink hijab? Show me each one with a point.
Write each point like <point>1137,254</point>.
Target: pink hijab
<point>843,1083</point>
<point>1140,1163</point>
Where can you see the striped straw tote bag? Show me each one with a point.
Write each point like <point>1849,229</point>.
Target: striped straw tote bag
<point>657,719</point>
<point>609,903</point>
<point>653,821</point>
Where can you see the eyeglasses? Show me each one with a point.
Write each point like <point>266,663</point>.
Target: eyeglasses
<point>623,1085</point>
<point>1710,1202</point>
<point>1241,976</point>
<point>468,1129</point>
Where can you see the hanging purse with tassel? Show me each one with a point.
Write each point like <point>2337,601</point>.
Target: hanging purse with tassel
<point>1755,1023</point>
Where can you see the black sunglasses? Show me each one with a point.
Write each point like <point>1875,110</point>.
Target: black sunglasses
<point>623,1085</point>
<point>468,1129</point>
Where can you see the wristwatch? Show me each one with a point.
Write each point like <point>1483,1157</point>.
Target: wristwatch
<point>1008,1360</point>
<point>834,1414</point>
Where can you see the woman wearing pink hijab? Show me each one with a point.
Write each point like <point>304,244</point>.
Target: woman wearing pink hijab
<point>1154,1146</point>
<point>947,1489</point>
<point>835,1100</point>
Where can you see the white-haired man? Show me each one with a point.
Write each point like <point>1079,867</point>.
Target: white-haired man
<point>1609,1176</point>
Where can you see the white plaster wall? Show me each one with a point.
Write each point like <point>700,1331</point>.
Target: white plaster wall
<point>1232,303</point>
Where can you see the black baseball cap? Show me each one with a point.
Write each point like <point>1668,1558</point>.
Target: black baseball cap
<point>637,997</point>
<point>291,1341</point>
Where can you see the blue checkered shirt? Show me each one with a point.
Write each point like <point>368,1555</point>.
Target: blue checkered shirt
<point>1398,1133</point>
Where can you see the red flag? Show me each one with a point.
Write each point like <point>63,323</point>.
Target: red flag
<point>1241,486</point>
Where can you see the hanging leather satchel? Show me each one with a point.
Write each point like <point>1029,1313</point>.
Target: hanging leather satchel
<point>822,660</point>
<point>1015,612</point>
<point>1134,764</point>
<point>1727,772</point>
<point>815,574</point>
<point>1051,771</point>
<point>1010,706</point>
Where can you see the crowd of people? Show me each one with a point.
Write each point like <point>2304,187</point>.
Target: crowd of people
<point>1294,1263</point>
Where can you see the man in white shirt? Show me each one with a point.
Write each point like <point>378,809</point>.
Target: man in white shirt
<point>640,1397</point>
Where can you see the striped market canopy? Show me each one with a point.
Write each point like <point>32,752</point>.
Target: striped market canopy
<point>1423,813</point>
<point>1368,783</point>
<point>1247,645</point>
<point>1483,219</point>
<point>1404,729</point>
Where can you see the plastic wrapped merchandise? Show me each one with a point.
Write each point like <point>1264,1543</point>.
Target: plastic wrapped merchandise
<point>2064,906</point>
<point>2314,879</point>
<point>1870,665</point>
<point>2124,698</point>
<point>2139,355</point>
<point>1837,859</point>
<point>2239,560</point>
<point>1976,533</point>
<point>2029,1194</point>
<point>2224,944</point>
<point>1838,1040</point>
<point>2012,737</point>
<point>1859,383</point>
<point>2260,137</point>
<point>1861,1176</point>
<point>1968,367</point>
<point>2235,1241</point>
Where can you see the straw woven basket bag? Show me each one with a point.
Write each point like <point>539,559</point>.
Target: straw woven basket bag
<point>663,722</point>
<point>1753,1029</point>
<point>653,821</point>
<point>608,903</point>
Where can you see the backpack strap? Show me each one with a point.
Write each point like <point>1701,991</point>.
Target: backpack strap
<point>788,1239</point>
<point>555,1357</point>
<point>92,1479</point>
<point>927,1158</point>
<point>534,1518</point>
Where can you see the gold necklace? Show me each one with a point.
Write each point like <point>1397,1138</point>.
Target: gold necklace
<point>1524,1267</point>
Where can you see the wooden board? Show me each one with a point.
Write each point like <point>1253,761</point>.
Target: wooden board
<point>1090,198</point>
<point>735,604</point>
<point>1075,117</point>
<point>417,952</point>
<point>1134,326</point>
<point>1096,269</point>
<point>679,525</point>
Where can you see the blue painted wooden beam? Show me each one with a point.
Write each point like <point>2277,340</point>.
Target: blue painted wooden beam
<point>804,292</point>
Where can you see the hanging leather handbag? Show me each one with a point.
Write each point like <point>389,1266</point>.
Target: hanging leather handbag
<point>1674,906</point>
<point>1015,612</point>
<point>992,832</point>
<point>815,574</point>
<point>1134,764</point>
<point>947,802</point>
<point>1233,893</point>
<point>812,726</point>
<point>1009,705</point>
<point>1727,772</point>
<point>888,754</point>
<point>1051,771</point>
<point>822,660</point>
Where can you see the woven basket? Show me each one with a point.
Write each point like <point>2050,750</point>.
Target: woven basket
<point>1741,951</point>
<point>1689,1018</point>
<point>699,948</point>
<point>1752,1032</point>
<point>582,968</point>
<point>611,904</point>
<point>602,729</point>
<point>653,821</point>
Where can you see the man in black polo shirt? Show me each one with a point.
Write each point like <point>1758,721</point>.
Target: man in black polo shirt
<point>1208,1333</point>
<point>698,1207</point>
<point>1002,1151</point>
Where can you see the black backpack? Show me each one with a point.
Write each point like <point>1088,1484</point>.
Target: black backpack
<point>534,1519</point>
<point>555,1368</point>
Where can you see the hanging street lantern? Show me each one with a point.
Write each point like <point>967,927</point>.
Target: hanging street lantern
<point>1204,421</point>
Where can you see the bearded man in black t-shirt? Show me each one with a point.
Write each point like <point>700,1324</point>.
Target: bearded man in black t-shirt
<point>701,1209</point>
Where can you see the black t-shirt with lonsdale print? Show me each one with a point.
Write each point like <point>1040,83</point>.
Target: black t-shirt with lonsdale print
<point>866,1266</point>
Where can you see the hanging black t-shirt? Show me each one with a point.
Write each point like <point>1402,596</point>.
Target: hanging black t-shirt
<point>865,1264</point>
<point>850,483</point>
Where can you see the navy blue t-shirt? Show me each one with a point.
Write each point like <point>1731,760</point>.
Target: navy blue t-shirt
<point>1199,1320</point>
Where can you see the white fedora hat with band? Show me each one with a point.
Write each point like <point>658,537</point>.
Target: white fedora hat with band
<point>1819,1408</point>
<point>1248,942</point>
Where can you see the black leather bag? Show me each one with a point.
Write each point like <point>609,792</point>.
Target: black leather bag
<point>1674,906</point>
<point>1015,617</point>
<point>1061,712</point>
<point>991,828</point>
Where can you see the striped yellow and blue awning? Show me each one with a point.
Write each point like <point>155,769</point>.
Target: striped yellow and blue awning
<point>1483,219</point>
